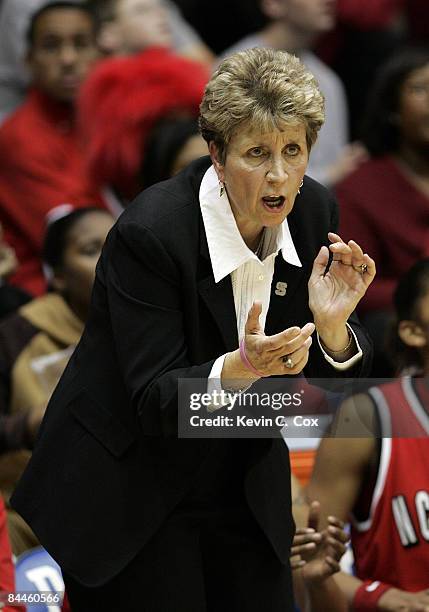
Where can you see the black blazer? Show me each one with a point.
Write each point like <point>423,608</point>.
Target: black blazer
<point>107,467</point>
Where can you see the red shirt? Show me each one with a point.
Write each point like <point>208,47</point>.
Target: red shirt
<point>368,14</point>
<point>7,572</point>
<point>41,167</point>
<point>393,544</point>
<point>383,212</point>
<point>361,16</point>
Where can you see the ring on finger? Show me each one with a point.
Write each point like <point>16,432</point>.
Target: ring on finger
<point>288,363</point>
<point>362,268</point>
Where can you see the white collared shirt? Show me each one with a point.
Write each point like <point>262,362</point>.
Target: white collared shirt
<point>251,277</point>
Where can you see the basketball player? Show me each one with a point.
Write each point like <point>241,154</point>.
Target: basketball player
<point>375,471</point>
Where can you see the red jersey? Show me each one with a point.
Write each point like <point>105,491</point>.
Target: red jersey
<point>41,167</point>
<point>392,545</point>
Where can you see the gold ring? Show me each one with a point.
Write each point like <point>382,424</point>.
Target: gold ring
<point>362,268</point>
<point>289,363</point>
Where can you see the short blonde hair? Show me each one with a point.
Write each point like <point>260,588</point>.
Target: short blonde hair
<point>265,88</point>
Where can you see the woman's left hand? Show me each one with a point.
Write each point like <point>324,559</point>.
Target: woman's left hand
<point>334,296</point>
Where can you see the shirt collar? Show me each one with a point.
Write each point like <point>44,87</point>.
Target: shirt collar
<point>227,249</point>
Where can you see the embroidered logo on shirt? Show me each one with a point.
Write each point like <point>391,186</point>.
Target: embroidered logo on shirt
<point>281,289</point>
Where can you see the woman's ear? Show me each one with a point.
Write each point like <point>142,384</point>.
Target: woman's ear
<point>218,166</point>
<point>412,334</point>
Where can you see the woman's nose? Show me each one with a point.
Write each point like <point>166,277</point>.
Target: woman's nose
<point>277,172</point>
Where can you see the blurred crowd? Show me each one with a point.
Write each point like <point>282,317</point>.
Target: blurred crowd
<point>100,99</point>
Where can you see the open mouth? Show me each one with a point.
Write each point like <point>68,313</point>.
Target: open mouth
<point>274,203</point>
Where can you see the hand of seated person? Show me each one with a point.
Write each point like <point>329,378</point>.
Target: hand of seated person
<point>318,552</point>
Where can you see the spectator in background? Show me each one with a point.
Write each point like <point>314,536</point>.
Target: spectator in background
<point>294,25</point>
<point>130,26</point>
<point>385,202</point>
<point>39,147</point>
<point>375,470</point>
<point>10,297</point>
<point>173,143</point>
<point>122,101</point>
<point>7,570</point>
<point>37,341</point>
<point>15,16</point>
<point>366,34</point>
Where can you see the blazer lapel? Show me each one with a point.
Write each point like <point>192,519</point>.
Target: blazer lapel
<point>286,281</point>
<point>219,298</point>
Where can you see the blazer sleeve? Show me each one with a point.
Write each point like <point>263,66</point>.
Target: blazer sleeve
<point>147,318</point>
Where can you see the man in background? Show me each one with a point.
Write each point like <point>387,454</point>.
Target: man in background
<point>15,16</point>
<point>127,27</point>
<point>40,149</point>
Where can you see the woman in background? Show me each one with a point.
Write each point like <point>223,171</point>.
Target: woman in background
<point>37,341</point>
<point>172,144</point>
<point>385,203</point>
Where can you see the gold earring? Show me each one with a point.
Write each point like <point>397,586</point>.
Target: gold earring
<point>301,184</point>
<point>222,189</point>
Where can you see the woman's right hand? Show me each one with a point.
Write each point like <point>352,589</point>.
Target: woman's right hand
<point>268,354</point>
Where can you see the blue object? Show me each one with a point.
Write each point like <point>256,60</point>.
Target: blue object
<point>39,582</point>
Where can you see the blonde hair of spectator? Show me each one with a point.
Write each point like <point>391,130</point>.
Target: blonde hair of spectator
<point>264,88</point>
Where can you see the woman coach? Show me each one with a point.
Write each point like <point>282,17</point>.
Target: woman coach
<point>204,276</point>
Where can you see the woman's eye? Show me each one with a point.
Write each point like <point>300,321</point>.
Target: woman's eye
<point>256,152</point>
<point>90,250</point>
<point>419,89</point>
<point>292,149</point>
